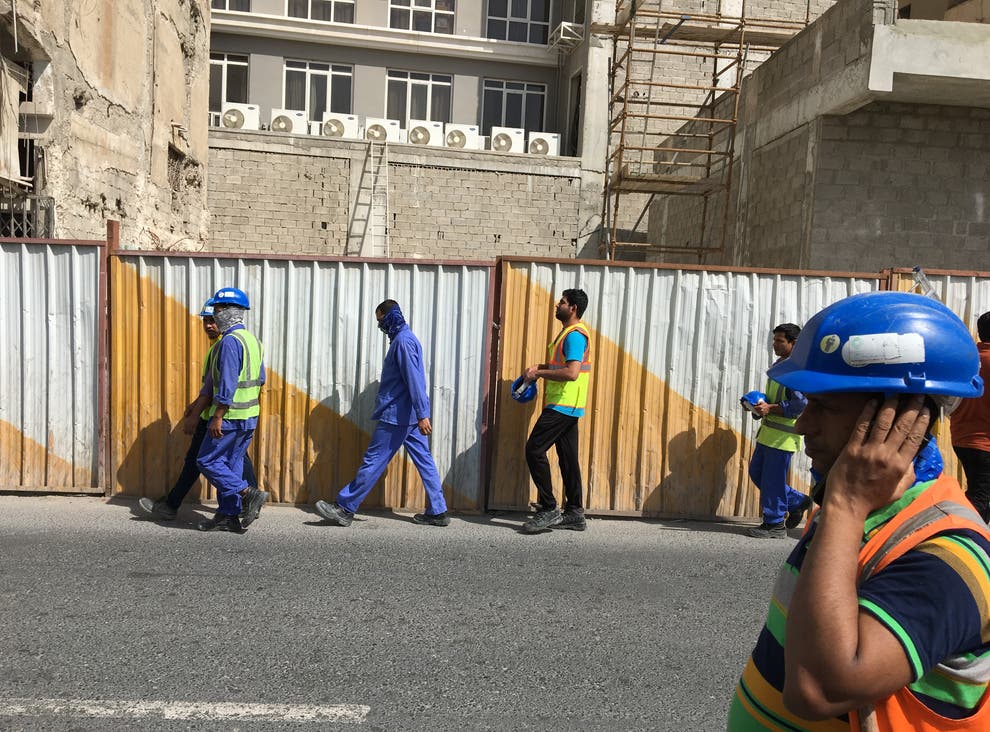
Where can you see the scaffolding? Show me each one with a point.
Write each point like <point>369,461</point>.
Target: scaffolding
<point>673,106</point>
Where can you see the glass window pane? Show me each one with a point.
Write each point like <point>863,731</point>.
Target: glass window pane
<point>295,64</point>
<point>295,90</point>
<point>515,85</point>
<point>422,21</point>
<point>422,3</point>
<point>397,74</point>
<point>216,87</point>
<point>218,4</point>
<point>491,111</point>
<point>322,10</point>
<point>496,30</point>
<point>242,5</point>
<point>317,97</point>
<point>440,103</point>
<point>403,3</point>
<point>519,9</point>
<point>534,112</point>
<point>513,110</point>
<point>395,107</point>
<point>443,23</point>
<point>319,67</point>
<point>340,94</point>
<point>418,76</point>
<point>518,32</point>
<point>417,101</point>
<point>399,19</point>
<point>539,10</point>
<point>298,8</point>
<point>343,13</point>
<point>538,34</point>
<point>498,8</point>
<point>237,84</point>
<point>447,5</point>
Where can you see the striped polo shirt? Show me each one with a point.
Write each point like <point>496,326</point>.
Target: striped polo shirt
<point>935,600</point>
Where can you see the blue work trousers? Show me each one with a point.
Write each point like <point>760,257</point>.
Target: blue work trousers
<point>190,470</point>
<point>222,462</point>
<point>768,470</point>
<point>385,442</point>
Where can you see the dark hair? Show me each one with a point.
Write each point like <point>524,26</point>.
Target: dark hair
<point>578,299</point>
<point>385,306</point>
<point>983,327</point>
<point>790,331</point>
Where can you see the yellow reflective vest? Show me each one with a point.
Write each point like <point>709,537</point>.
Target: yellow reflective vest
<point>246,402</point>
<point>776,431</point>
<point>573,394</point>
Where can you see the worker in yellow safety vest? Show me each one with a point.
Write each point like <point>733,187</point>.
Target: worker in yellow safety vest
<point>567,373</point>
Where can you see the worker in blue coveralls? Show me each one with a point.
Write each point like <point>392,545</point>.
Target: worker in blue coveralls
<point>403,413</point>
<point>194,422</point>
<point>776,442</point>
<point>233,385</point>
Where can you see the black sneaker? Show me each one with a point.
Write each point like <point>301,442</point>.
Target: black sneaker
<point>795,517</point>
<point>432,519</point>
<point>768,531</point>
<point>334,513</point>
<point>221,522</point>
<point>251,505</point>
<point>542,520</point>
<point>573,520</point>
<point>158,509</point>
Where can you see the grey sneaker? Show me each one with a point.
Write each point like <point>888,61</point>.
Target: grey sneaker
<point>432,519</point>
<point>795,517</point>
<point>251,505</point>
<point>542,520</point>
<point>334,513</point>
<point>221,522</point>
<point>768,531</point>
<point>158,509</point>
<point>573,520</point>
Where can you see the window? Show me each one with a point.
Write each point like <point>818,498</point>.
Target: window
<point>412,95</point>
<point>526,21</point>
<point>228,80</point>
<point>428,16</point>
<point>337,11</point>
<point>242,5</point>
<point>309,86</point>
<point>513,104</point>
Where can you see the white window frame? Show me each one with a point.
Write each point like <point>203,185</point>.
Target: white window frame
<point>415,6</point>
<point>433,81</point>
<point>528,20</point>
<point>333,11</point>
<point>331,71</point>
<point>529,87</point>
<point>224,63</point>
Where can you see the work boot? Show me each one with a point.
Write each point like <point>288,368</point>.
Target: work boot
<point>542,520</point>
<point>221,522</point>
<point>251,505</point>
<point>158,509</point>
<point>334,513</point>
<point>432,519</point>
<point>796,516</point>
<point>572,519</point>
<point>767,531</point>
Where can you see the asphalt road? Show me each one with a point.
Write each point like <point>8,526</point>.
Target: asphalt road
<point>111,622</point>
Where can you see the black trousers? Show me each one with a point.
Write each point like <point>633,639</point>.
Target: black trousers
<point>190,471</point>
<point>976,465</point>
<point>561,431</point>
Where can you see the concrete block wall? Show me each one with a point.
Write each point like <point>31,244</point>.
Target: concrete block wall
<point>901,185</point>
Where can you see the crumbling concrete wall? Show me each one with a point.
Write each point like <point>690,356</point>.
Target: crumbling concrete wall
<point>128,83</point>
<point>296,194</point>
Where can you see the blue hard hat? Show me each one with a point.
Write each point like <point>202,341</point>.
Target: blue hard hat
<point>207,311</point>
<point>889,342</point>
<point>230,296</point>
<point>524,394</point>
<point>751,399</point>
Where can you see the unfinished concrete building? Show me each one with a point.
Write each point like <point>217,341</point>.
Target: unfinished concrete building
<point>103,117</point>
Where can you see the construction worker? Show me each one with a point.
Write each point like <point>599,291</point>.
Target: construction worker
<point>567,374</point>
<point>232,385</point>
<point>402,409</point>
<point>782,506</point>
<point>970,426</point>
<point>880,618</point>
<point>194,422</point>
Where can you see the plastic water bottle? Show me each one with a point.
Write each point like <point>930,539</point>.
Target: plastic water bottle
<point>925,285</point>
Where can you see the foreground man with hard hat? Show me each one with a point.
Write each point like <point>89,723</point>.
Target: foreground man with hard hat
<point>880,618</point>
<point>233,386</point>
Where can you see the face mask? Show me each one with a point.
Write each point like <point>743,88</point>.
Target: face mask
<point>227,318</point>
<point>391,322</point>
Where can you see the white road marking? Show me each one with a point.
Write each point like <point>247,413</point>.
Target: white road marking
<point>202,711</point>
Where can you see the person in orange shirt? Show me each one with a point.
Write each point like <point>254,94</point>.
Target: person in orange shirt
<point>970,425</point>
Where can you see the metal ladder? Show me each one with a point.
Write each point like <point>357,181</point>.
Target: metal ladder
<point>379,213</point>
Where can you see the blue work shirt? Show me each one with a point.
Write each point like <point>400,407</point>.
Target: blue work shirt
<point>229,355</point>
<point>402,397</point>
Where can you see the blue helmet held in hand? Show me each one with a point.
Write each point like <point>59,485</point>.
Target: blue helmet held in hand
<point>230,296</point>
<point>751,398</point>
<point>885,342</point>
<point>523,393</point>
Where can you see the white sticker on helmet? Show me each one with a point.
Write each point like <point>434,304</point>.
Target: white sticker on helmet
<point>884,348</point>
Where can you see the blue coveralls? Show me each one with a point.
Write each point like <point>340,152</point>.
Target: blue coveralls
<point>768,469</point>
<point>402,401</point>
<point>222,460</point>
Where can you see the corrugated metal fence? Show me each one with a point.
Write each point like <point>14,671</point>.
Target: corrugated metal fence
<point>673,348</point>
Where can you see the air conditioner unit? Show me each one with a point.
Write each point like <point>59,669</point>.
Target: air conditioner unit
<point>347,126</point>
<point>377,129</point>
<point>544,143</point>
<point>423,132</point>
<point>508,139</point>
<point>462,136</point>
<point>287,120</point>
<point>240,116</point>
